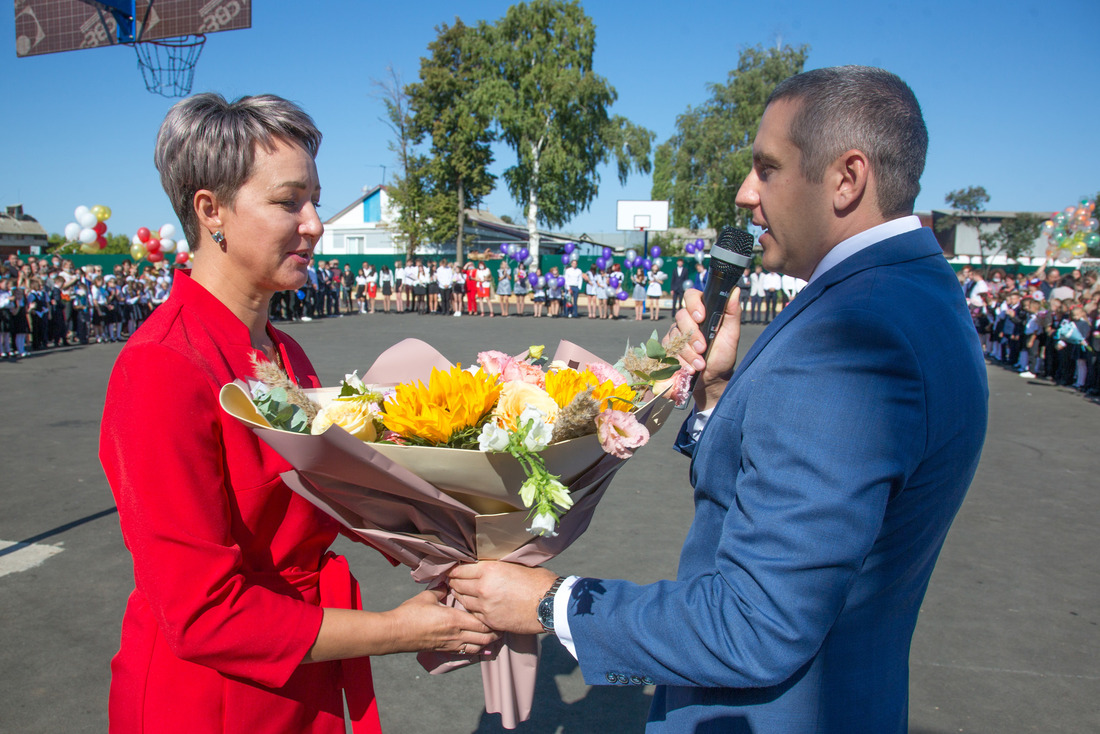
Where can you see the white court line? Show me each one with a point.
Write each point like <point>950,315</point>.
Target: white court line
<point>25,557</point>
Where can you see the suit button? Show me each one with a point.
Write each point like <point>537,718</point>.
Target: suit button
<point>623,680</point>
<point>646,680</point>
<point>636,680</point>
<point>611,677</point>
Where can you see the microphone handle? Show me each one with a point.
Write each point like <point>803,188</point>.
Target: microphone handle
<point>725,272</point>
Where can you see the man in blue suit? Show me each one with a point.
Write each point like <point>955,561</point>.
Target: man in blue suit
<point>827,468</point>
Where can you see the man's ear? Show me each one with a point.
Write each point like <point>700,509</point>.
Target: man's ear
<point>850,176</point>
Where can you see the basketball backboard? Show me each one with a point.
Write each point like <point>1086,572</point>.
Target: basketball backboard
<point>648,216</point>
<point>50,26</point>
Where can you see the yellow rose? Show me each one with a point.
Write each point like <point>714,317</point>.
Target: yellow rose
<point>354,416</point>
<point>517,395</point>
<point>536,352</point>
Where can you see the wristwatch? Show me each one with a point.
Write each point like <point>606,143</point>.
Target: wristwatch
<point>546,606</point>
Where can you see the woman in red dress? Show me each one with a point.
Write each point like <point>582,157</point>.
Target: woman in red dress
<point>241,619</point>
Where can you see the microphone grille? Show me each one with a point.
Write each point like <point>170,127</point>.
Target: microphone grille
<point>735,240</point>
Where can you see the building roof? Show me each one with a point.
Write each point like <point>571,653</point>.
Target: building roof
<point>366,195</point>
<point>15,222</point>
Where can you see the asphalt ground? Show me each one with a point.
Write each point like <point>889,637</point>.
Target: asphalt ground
<point>1008,638</point>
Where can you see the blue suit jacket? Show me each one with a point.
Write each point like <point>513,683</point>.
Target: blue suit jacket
<point>825,482</point>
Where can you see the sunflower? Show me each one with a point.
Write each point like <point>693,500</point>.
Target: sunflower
<point>564,385</point>
<point>453,401</point>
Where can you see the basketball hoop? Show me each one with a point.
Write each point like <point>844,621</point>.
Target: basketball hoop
<point>168,64</point>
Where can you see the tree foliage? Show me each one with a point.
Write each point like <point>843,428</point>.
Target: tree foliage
<point>551,108</point>
<point>410,191</point>
<point>970,201</point>
<point>1016,236</point>
<point>701,167</point>
<point>117,244</point>
<point>449,106</point>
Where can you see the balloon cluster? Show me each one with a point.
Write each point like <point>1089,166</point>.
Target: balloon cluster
<point>156,246</point>
<point>645,262</point>
<point>517,254</point>
<point>695,248</point>
<point>1072,231</point>
<point>568,256</point>
<point>90,228</point>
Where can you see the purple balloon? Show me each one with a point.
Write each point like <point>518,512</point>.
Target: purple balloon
<point>506,248</point>
<point>566,259</point>
<point>647,263</point>
<point>699,245</point>
<point>689,248</point>
<point>561,281</point>
<point>533,279</point>
<point>621,295</point>
<point>523,255</point>
<point>655,251</point>
<point>569,247</point>
<point>601,263</point>
<point>607,253</point>
<point>614,281</point>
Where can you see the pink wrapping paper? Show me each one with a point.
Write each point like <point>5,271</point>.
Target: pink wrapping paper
<point>479,516</point>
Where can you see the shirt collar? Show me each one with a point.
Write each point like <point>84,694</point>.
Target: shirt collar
<point>864,239</point>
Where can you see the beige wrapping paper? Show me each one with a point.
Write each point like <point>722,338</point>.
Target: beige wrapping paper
<point>430,507</point>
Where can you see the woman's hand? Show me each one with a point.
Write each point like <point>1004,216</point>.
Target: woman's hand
<point>714,371</point>
<point>421,623</point>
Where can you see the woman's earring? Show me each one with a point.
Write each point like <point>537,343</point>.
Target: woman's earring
<point>219,238</point>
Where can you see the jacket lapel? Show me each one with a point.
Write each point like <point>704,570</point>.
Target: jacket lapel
<point>900,248</point>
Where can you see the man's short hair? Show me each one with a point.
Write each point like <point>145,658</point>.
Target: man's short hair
<point>206,142</point>
<point>862,108</point>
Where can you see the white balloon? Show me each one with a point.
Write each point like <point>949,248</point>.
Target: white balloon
<point>167,245</point>
<point>136,241</point>
<point>168,232</point>
<point>87,235</point>
<point>182,246</point>
<point>80,211</point>
<point>658,261</point>
<point>72,231</point>
<point>87,220</point>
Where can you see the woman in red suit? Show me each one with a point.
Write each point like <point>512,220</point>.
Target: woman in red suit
<point>241,620</point>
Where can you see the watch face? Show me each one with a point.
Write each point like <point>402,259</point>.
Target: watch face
<point>546,613</point>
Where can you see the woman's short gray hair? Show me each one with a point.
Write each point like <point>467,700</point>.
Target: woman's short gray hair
<point>206,142</point>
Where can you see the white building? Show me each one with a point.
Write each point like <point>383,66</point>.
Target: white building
<point>363,227</point>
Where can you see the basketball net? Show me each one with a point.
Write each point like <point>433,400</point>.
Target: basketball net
<point>168,64</point>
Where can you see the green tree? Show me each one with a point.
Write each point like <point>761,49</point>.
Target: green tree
<point>710,154</point>
<point>410,190</point>
<point>551,108</point>
<point>1016,236</point>
<point>447,106</point>
<point>117,244</point>
<point>971,203</point>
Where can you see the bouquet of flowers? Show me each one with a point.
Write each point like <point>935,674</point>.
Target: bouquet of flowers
<point>434,464</point>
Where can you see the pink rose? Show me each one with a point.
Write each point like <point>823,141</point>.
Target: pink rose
<point>604,372</point>
<point>493,362</point>
<point>620,433</point>
<point>517,371</point>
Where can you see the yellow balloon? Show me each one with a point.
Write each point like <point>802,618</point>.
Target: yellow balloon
<point>1080,249</point>
<point>138,251</point>
<point>106,212</point>
<point>89,249</point>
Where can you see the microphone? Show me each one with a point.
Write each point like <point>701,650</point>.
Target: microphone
<point>729,257</point>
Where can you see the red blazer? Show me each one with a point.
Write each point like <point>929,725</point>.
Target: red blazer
<point>231,568</point>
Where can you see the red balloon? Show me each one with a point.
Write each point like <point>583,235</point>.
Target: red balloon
<point>155,257</point>
<point>152,245</point>
<point>101,241</point>
<point>100,227</point>
<point>143,234</point>
<point>182,258</point>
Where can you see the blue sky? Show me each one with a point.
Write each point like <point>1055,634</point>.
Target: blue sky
<point>1007,88</point>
